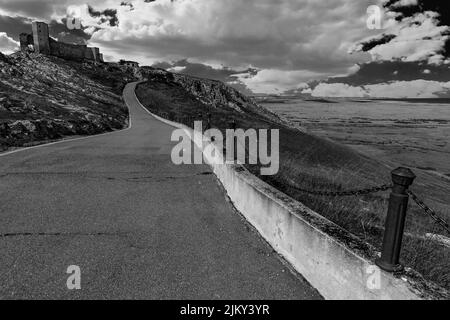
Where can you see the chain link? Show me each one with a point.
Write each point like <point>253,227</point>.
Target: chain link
<point>430,211</point>
<point>366,191</point>
<point>359,192</point>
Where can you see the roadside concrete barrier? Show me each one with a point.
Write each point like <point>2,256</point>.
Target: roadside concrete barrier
<point>336,263</point>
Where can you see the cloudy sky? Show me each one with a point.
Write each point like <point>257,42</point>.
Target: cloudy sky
<point>323,48</point>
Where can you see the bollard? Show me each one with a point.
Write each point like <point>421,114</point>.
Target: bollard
<point>402,178</point>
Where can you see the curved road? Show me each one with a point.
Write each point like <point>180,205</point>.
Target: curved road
<point>138,226</point>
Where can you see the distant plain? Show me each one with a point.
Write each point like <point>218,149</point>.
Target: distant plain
<point>412,134</point>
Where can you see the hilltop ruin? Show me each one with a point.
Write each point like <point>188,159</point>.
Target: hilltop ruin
<point>42,43</point>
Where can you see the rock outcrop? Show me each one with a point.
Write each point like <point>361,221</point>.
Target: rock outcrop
<point>210,92</point>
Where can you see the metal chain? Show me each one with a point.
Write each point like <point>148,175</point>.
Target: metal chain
<point>359,192</point>
<point>366,191</point>
<point>430,212</point>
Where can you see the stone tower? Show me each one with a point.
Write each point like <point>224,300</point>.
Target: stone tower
<point>41,38</point>
<point>25,40</point>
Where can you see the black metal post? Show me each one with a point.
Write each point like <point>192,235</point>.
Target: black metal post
<point>395,220</point>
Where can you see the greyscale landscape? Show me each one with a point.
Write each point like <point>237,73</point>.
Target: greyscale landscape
<point>415,134</point>
<point>290,151</point>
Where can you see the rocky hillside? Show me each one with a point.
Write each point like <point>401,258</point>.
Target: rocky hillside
<point>45,98</point>
<point>211,93</point>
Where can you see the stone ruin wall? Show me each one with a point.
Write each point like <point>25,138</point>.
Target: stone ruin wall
<point>66,50</point>
<point>59,49</point>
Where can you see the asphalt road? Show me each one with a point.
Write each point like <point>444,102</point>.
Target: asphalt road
<point>138,226</point>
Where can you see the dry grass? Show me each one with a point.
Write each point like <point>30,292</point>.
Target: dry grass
<point>364,215</point>
<point>314,163</point>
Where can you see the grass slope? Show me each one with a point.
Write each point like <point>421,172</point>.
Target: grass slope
<point>312,163</point>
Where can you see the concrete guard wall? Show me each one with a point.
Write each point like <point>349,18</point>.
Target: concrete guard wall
<point>337,264</point>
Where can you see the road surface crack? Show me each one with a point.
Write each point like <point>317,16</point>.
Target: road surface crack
<point>88,175</point>
<point>57,234</point>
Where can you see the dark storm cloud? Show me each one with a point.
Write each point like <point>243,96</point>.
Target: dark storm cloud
<point>417,31</point>
<point>28,8</point>
<point>410,58</point>
<point>439,6</point>
<point>287,35</point>
<point>224,74</point>
<point>383,39</point>
<point>387,71</point>
<point>279,35</point>
<point>109,15</point>
<point>13,26</point>
<point>127,4</point>
<point>289,41</point>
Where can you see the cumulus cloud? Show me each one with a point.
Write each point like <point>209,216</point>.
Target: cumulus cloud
<point>409,59</point>
<point>276,81</point>
<point>288,42</point>
<point>338,90</point>
<point>287,38</point>
<point>277,35</point>
<point>411,34</point>
<point>405,3</point>
<point>421,39</point>
<point>7,44</point>
<point>396,89</point>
